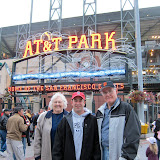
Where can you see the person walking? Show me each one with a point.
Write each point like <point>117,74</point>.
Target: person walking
<point>152,150</point>
<point>3,131</point>
<point>15,127</point>
<point>77,134</point>
<point>119,127</point>
<point>157,132</point>
<point>46,127</point>
<point>28,115</point>
<point>23,136</point>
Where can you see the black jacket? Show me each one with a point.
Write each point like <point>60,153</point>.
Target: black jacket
<point>157,128</point>
<point>64,148</point>
<point>3,121</point>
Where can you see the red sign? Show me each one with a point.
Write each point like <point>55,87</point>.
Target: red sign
<point>47,88</point>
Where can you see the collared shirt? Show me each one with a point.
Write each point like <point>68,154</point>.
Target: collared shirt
<point>105,125</point>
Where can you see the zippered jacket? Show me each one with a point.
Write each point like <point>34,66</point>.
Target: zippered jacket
<point>15,126</point>
<point>42,138</point>
<point>157,128</point>
<point>124,131</point>
<point>3,121</point>
<point>64,148</point>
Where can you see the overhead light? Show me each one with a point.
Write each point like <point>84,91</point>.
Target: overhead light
<point>143,72</point>
<point>151,53</point>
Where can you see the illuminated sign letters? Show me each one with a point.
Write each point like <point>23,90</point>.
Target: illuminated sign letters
<point>74,87</point>
<point>53,44</point>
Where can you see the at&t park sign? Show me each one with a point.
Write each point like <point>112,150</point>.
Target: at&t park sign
<point>52,44</point>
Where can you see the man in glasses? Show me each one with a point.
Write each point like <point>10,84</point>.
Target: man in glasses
<point>119,127</point>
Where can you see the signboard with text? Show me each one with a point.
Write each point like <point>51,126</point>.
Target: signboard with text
<point>52,88</point>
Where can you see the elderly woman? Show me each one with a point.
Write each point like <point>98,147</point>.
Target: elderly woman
<point>46,127</point>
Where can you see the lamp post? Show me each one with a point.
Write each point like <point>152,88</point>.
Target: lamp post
<point>139,58</point>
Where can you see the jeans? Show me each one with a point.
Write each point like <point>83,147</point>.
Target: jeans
<point>105,153</point>
<point>158,144</point>
<point>3,134</point>
<point>24,144</point>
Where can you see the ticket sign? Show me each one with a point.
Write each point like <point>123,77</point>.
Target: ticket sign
<point>50,88</point>
<point>52,44</point>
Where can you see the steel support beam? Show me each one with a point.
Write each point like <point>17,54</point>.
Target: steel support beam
<point>139,57</point>
<point>55,16</point>
<point>31,12</point>
<point>127,21</point>
<point>21,35</point>
<point>89,17</point>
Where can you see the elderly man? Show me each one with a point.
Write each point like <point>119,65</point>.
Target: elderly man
<point>119,127</point>
<point>77,134</point>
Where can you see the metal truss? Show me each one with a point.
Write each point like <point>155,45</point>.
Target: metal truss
<point>127,20</point>
<point>125,46</point>
<point>75,62</point>
<point>29,31</point>
<point>21,36</point>
<point>89,17</point>
<point>55,15</point>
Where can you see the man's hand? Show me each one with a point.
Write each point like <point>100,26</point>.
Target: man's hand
<point>27,122</point>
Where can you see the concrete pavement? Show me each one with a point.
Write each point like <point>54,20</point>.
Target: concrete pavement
<point>141,151</point>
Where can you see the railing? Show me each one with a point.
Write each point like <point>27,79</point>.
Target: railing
<point>147,78</point>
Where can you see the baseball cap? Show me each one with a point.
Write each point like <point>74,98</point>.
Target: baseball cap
<point>152,140</point>
<point>78,94</point>
<point>107,84</point>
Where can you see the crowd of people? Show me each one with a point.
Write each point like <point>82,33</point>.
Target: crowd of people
<point>113,133</point>
<point>17,127</point>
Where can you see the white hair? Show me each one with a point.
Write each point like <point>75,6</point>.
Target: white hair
<point>58,95</point>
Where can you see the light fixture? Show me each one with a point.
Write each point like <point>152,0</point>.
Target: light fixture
<point>99,73</point>
<point>143,72</point>
<point>151,53</point>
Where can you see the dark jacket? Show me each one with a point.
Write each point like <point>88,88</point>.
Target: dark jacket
<point>3,121</point>
<point>24,133</point>
<point>34,119</point>
<point>124,130</point>
<point>157,128</point>
<point>64,148</point>
<point>151,155</point>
